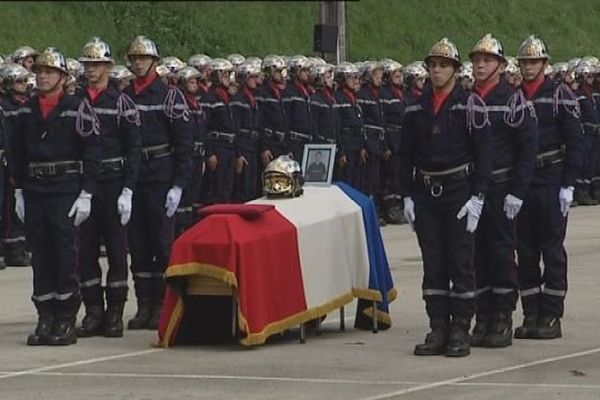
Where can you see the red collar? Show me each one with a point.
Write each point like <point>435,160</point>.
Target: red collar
<point>276,89</point>
<point>21,98</point>
<point>303,90</point>
<point>250,96</point>
<point>328,93</point>
<point>397,90</point>
<point>49,104</point>
<point>484,90</point>
<point>222,93</point>
<point>192,101</point>
<point>351,95</point>
<point>374,91</point>
<point>531,88</point>
<point>587,89</point>
<point>142,83</point>
<point>204,87</point>
<point>439,98</point>
<point>95,93</point>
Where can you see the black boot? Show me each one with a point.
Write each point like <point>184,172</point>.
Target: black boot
<point>16,255</point>
<point>436,340</point>
<point>583,196</point>
<point>64,332</point>
<point>500,332</point>
<point>140,321</point>
<point>93,322</point>
<point>548,327</point>
<point>2,264</point>
<point>482,323</point>
<point>527,330</point>
<point>42,332</point>
<point>458,340</point>
<point>155,316</point>
<point>113,320</point>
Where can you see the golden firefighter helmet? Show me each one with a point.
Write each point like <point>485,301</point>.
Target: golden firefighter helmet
<point>96,50</point>
<point>121,72</point>
<point>142,46</point>
<point>344,69</point>
<point>273,63</point>
<point>23,52</point>
<point>445,49</point>
<point>51,58</point>
<point>198,61</point>
<point>283,178</point>
<point>488,45</point>
<point>533,48</point>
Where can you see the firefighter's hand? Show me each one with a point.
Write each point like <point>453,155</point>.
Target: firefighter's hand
<point>342,161</point>
<point>240,163</point>
<point>172,201</point>
<point>124,205</point>
<point>387,155</point>
<point>266,157</point>
<point>409,212</point>
<point>363,156</point>
<point>82,207</point>
<point>212,162</point>
<point>20,204</point>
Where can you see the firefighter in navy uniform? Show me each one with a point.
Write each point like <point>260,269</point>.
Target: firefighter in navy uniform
<point>352,152</point>
<point>221,131</point>
<point>191,199</point>
<point>25,56</point>
<point>542,223</point>
<point>325,118</point>
<point>166,130</point>
<point>373,126</point>
<point>271,114</point>
<point>56,162</point>
<point>16,96</point>
<point>590,120</point>
<point>447,146</point>
<point>393,104</point>
<point>514,144</point>
<point>244,108</point>
<point>121,142</point>
<point>296,104</point>
<point>414,76</point>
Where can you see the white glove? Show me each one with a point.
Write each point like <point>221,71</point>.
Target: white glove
<point>409,212</point>
<point>173,198</point>
<point>565,198</point>
<point>472,209</point>
<point>124,205</point>
<point>20,204</point>
<point>512,206</point>
<point>82,207</point>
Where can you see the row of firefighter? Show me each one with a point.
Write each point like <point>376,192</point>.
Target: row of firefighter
<point>145,145</point>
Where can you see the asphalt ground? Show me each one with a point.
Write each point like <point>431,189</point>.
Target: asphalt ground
<point>335,364</point>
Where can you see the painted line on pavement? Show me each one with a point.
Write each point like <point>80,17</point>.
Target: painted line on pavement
<point>463,378</point>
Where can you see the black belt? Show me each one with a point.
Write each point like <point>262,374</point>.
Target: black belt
<point>393,128</point>
<point>326,139</point>
<point>222,136</point>
<point>199,148</point>
<point>502,175</point>
<point>154,152</point>
<point>271,133</point>
<point>249,132</point>
<point>46,169</point>
<point>435,181</point>
<point>549,158</point>
<point>112,165</point>
<point>373,130</point>
<point>300,136</point>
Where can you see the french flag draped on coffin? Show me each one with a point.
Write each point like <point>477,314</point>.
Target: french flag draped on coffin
<point>286,260</point>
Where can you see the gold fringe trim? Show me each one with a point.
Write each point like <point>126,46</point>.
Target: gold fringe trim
<point>193,268</point>
<point>176,316</point>
<point>367,294</point>
<point>392,295</point>
<point>381,315</point>
<point>297,319</point>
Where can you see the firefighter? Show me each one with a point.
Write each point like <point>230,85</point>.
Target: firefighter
<point>25,56</point>
<point>120,142</point>
<point>447,145</point>
<point>166,131</point>
<point>590,120</point>
<point>393,103</point>
<point>56,162</point>
<point>542,222</point>
<point>121,76</point>
<point>191,198</point>
<point>220,137</point>
<point>244,108</point>
<point>352,152</point>
<point>271,114</point>
<point>514,141</point>
<point>16,96</point>
<point>296,104</point>
<point>414,75</point>
<point>201,63</point>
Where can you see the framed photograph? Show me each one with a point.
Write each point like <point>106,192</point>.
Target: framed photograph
<point>317,163</point>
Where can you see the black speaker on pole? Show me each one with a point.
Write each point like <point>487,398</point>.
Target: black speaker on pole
<point>325,39</point>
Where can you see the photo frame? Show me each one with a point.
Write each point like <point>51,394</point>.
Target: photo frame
<point>318,161</point>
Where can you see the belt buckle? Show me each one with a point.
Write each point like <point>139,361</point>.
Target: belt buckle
<point>436,190</point>
<point>230,139</point>
<point>51,169</point>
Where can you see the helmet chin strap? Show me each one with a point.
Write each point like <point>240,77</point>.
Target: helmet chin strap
<point>149,69</point>
<point>491,74</point>
<point>56,85</point>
